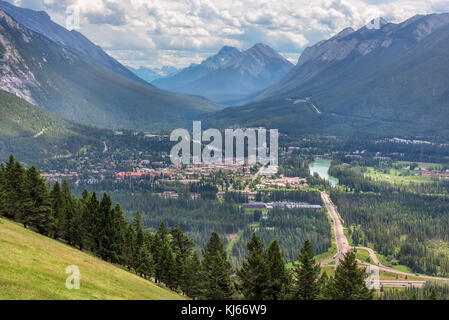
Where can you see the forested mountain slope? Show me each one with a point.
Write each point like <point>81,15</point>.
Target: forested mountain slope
<point>48,75</point>
<point>32,133</point>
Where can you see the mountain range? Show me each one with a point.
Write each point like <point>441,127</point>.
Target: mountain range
<point>229,75</point>
<point>61,80</point>
<point>150,75</point>
<point>382,79</point>
<point>392,78</point>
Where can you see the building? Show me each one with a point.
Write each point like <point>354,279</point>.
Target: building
<point>254,205</point>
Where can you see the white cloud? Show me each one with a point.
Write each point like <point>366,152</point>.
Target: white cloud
<point>179,32</point>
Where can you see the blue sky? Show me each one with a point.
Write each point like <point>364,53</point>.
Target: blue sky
<point>154,33</point>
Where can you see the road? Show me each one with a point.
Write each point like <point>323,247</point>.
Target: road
<point>343,246</point>
<point>307,100</point>
<point>340,238</point>
<point>37,135</point>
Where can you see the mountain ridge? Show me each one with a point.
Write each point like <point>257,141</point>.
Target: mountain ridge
<point>48,75</point>
<point>230,74</point>
<point>396,74</point>
<point>40,22</point>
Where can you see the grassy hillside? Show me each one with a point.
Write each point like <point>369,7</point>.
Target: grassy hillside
<point>31,133</point>
<point>33,267</point>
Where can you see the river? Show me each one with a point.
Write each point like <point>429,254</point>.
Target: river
<point>321,167</point>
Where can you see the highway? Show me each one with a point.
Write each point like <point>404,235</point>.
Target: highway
<point>340,238</point>
<point>343,246</point>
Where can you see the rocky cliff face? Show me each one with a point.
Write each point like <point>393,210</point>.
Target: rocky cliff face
<point>15,74</point>
<point>40,22</point>
<point>51,76</point>
<point>376,34</point>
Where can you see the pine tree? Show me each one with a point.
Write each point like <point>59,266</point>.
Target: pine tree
<point>158,247</point>
<point>105,220</point>
<point>254,274</point>
<point>217,269</point>
<point>166,266</point>
<point>213,247</point>
<point>115,231</point>
<point>13,190</point>
<point>182,246</point>
<point>111,240</point>
<point>129,247</point>
<point>79,228</point>
<point>193,279</point>
<point>138,228</point>
<point>279,277</point>
<point>218,282</point>
<point>37,205</point>
<point>68,224</point>
<point>146,266</point>
<point>92,223</point>
<point>180,242</point>
<point>57,204</point>
<point>349,280</point>
<point>179,269</point>
<point>306,274</point>
<point>324,284</point>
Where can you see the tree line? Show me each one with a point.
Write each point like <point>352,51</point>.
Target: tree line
<point>167,256</point>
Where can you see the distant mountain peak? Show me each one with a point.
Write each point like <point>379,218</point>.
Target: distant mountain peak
<point>222,58</point>
<point>261,46</point>
<point>376,24</point>
<point>226,49</point>
<point>264,50</point>
<point>230,74</point>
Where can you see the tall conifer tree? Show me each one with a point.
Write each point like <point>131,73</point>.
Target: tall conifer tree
<point>306,274</point>
<point>217,271</point>
<point>254,275</point>
<point>279,278</point>
<point>349,280</point>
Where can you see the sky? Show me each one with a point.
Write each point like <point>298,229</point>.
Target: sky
<point>156,33</point>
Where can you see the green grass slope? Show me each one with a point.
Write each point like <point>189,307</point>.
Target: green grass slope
<point>33,267</point>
